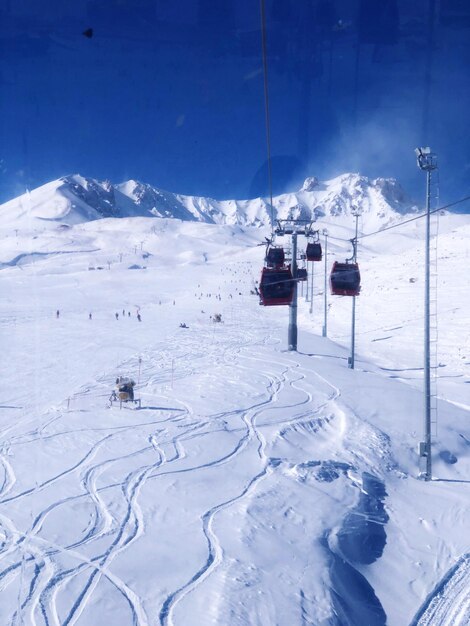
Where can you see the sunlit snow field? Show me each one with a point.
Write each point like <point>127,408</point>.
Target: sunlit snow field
<point>254,486</point>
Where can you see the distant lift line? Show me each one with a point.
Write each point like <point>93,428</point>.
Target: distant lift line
<point>278,284</point>
<point>411,219</point>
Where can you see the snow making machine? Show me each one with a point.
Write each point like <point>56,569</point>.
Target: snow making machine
<point>124,392</point>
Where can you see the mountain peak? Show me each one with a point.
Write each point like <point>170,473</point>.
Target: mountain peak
<point>310,183</point>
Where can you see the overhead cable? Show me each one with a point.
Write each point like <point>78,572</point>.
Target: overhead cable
<point>412,219</point>
<point>266,106</point>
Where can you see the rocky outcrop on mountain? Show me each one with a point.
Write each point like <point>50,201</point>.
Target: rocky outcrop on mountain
<point>153,201</point>
<point>98,196</point>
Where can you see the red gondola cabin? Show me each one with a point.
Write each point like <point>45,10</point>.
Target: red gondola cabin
<point>313,251</point>
<point>345,279</point>
<point>275,257</point>
<point>301,273</point>
<point>276,286</point>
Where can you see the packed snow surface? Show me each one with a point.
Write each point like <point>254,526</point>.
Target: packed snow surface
<point>253,485</point>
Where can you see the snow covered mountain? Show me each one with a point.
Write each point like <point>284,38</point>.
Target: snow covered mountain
<point>75,199</point>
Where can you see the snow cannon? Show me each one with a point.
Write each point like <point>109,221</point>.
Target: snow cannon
<point>124,391</point>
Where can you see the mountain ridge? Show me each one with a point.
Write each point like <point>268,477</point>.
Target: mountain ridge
<point>76,199</point>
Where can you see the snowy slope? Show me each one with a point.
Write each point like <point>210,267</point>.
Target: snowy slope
<point>254,485</point>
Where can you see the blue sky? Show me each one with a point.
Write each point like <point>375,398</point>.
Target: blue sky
<point>171,93</point>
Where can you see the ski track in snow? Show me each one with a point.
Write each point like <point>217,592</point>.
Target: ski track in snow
<point>215,550</point>
<point>449,603</point>
<point>47,581</point>
<point>43,593</point>
<point>130,528</point>
<point>293,378</point>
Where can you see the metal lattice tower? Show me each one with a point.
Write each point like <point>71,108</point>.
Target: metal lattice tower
<point>433,302</point>
<point>427,162</point>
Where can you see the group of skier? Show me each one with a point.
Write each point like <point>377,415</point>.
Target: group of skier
<point>139,317</point>
<point>116,315</point>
